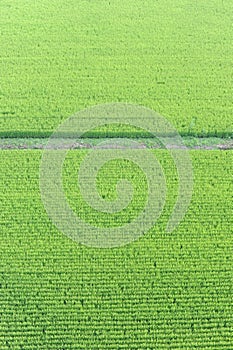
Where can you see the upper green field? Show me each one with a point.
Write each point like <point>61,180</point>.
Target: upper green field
<point>57,57</point>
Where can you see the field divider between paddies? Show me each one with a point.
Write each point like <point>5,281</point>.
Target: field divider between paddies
<point>198,143</point>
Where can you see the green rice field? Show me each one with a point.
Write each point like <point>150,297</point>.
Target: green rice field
<point>165,290</point>
<point>58,57</point>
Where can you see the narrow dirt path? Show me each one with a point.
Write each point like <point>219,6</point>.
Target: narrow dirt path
<point>41,143</point>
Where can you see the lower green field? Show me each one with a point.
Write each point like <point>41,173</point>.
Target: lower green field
<point>163,291</point>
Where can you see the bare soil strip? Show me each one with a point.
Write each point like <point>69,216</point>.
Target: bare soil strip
<point>209,143</point>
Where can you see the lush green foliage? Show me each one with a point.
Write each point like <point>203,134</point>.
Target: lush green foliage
<point>58,57</point>
<point>164,291</point>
